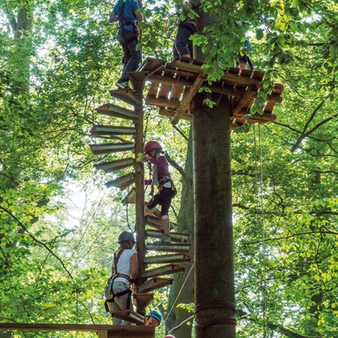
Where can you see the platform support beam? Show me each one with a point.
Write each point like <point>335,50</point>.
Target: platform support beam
<point>215,314</point>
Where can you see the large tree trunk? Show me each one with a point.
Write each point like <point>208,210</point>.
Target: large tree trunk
<point>185,220</point>
<point>215,295</point>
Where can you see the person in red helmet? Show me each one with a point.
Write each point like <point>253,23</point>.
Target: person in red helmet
<point>161,178</point>
<point>169,336</point>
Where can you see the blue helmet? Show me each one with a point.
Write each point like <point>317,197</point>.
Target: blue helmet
<point>155,314</point>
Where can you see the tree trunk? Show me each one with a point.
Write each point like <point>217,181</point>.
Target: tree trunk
<point>186,224</point>
<point>215,296</point>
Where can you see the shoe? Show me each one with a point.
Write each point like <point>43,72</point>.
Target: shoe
<point>122,84</point>
<point>165,239</point>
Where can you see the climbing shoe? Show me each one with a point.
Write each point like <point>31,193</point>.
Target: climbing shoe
<point>165,239</point>
<point>122,84</point>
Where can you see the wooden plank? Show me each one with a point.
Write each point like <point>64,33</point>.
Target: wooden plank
<point>142,301</point>
<point>175,236</point>
<point>171,80</point>
<point>102,334</point>
<point>171,113</point>
<point>185,104</point>
<point>130,198</point>
<point>125,96</point>
<point>122,182</point>
<point>165,259</point>
<point>244,101</point>
<point>163,270</point>
<point>168,247</point>
<point>129,316</point>
<point>152,64</point>
<point>137,79</point>
<point>112,166</point>
<point>102,130</point>
<point>116,111</point>
<point>137,331</point>
<point>162,103</point>
<point>107,148</point>
<point>154,283</point>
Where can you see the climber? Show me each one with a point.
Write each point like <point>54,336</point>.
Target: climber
<point>244,61</point>
<point>166,189</point>
<point>183,46</point>
<point>127,13</point>
<point>153,318</point>
<point>124,273</point>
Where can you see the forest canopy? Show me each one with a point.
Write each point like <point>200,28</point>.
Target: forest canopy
<point>58,221</point>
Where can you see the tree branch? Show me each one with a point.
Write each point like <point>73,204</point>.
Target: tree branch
<point>178,168</point>
<point>35,239</point>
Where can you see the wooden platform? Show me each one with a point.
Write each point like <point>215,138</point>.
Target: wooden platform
<point>103,331</point>
<point>174,85</point>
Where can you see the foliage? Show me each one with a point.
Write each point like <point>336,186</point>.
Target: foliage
<point>56,67</point>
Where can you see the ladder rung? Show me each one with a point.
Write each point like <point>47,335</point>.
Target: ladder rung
<point>169,247</point>
<point>116,111</point>
<point>99,130</point>
<point>165,259</point>
<point>163,270</point>
<point>175,236</point>
<point>154,283</point>
<point>106,148</point>
<point>126,96</point>
<point>129,316</point>
<point>115,165</point>
<point>122,182</point>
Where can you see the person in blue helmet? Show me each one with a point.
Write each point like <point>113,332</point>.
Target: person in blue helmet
<point>244,61</point>
<point>127,14</point>
<point>153,318</point>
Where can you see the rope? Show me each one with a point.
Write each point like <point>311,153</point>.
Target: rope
<point>179,293</point>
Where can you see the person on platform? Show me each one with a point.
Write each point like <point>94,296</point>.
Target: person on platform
<point>127,14</point>
<point>124,273</point>
<point>161,178</point>
<point>183,46</point>
<point>153,318</point>
<point>244,61</point>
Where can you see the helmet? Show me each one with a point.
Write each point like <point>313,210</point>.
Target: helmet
<point>155,314</point>
<point>126,236</point>
<point>169,336</point>
<point>151,145</point>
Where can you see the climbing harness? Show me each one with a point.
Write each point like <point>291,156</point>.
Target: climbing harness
<point>109,293</point>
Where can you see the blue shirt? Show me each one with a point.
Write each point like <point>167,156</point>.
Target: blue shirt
<point>131,6</point>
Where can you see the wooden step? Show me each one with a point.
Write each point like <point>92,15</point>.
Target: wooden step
<point>168,247</point>
<point>100,130</point>
<point>154,222</point>
<point>117,111</point>
<point>137,80</point>
<point>163,270</point>
<point>165,259</point>
<point>107,148</point>
<point>130,198</point>
<point>142,300</point>
<point>154,283</point>
<point>112,166</point>
<point>122,182</point>
<point>129,316</point>
<point>125,95</point>
<point>175,236</point>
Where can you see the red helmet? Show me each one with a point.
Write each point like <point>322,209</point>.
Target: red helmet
<point>169,336</point>
<point>151,145</point>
